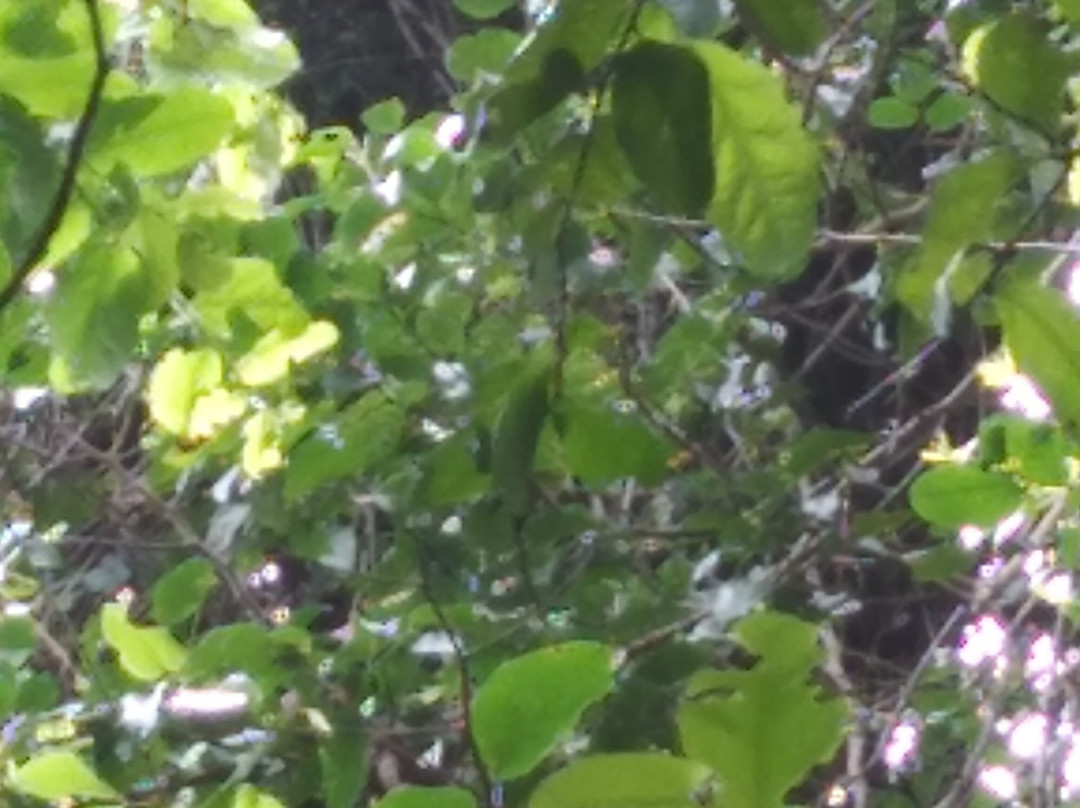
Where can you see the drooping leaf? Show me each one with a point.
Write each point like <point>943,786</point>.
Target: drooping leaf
<point>1042,331</point>
<point>766,166</point>
<point>421,797</point>
<point>159,134</point>
<point>517,438</point>
<point>145,652</point>
<point>953,496</point>
<point>57,776</point>
<point>530,702</point>
<point>660,106</point>
<point>633,780</point>
<point>180,592</point>
<point>1012,61</point>
<point>793,26</point>
<point>763,729</point>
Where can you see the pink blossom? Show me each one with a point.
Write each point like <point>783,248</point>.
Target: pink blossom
<point>982,640</point>
<point>1022,396</point>
<point>450,132</point>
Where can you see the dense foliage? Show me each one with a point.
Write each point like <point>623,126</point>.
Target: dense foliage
<point>685,415</point>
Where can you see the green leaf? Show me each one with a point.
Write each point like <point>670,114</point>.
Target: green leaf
<point>892,113</point>
<point>343,761</point>
<point>146,653</point>
<point>660,106</point>
<point>1012,61</point>
<point>93,316</point>
<point>180,592</point>
<point>365,434</point>
<point>953,496</point>
<point>634,780</point>
<point>604,445</point>
<point>585,30</point>
<point>516,440</point>
<point>247,796</point>
<point>420,797</point>
<point>179,378</point>
<point>793,26</point>
<point>529,703</point>
<point>1070,10</point>
<point>762,730</point>
<point>484,9</point>
<point>767,173</point>
<point>1042,332</point>
<point>487,52</point>
<point>384,118</point>
<point>223,13</point>
<point>251,287</point>
<point>957,218</point>
<point>160,134</point>
<point>57,776</point>
<point>17,640</point>
<point>273,356</point>
<point>947,111</point>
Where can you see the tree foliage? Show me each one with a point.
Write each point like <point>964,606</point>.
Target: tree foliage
<point>682,414</point>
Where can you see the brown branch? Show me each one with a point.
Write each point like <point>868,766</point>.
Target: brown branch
<point>75,153</point>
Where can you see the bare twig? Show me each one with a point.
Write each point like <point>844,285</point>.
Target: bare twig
<point>76,150</point>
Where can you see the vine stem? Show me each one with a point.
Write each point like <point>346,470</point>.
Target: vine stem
<point>75,153</point>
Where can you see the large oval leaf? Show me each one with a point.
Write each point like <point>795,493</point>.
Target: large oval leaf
<point>528,703</point>
<point>952,496</point>
<point>637,780</point>
<point>766,165</point>
<point>660,105</point>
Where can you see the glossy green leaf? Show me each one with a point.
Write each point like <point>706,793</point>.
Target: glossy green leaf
<point>421,797</point>
<point>762,730</point>
<point>1013,62</point>
<point>531,702</point>
<point>59,775</point>
<point>179,378</point>
<point>484,9</point>
<point>634,780</point>
<point>517,438</point>
<point>180,592</point>
<point>892,113</point>
<point>766,164</point>
<point>146,653</point>
<point>160,134</point>
<point>1042,332</point>
<point>660,106</point>
<point>953,496</point>
<point>793,26</point>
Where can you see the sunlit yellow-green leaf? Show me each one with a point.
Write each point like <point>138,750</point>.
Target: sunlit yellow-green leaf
<point>177,380</point>
<point>272,357</point>
<point>60,775</point>
<point>146,653</point>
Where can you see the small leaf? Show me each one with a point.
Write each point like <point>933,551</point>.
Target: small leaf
<point>947,111</point>
<point>525,707</point>
<point>660,106</point>
<point>793,26</point>
<point>488,51</point>
<point>953,496</point>
<point>58,776</point>
<point>384,118</point>
<point>1042,331</point>
<point>633,780</point>
<point>1012,61</point>
<point>146,653</point>
<point>516,440</point>
<point>767,174</point>
<point>420,797</point>
<point>484,9</point>
<point>892,113</point>
<point>180,592</point>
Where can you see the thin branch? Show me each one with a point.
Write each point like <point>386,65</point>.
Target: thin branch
<point>75,153</point>
<point>464,674</point>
